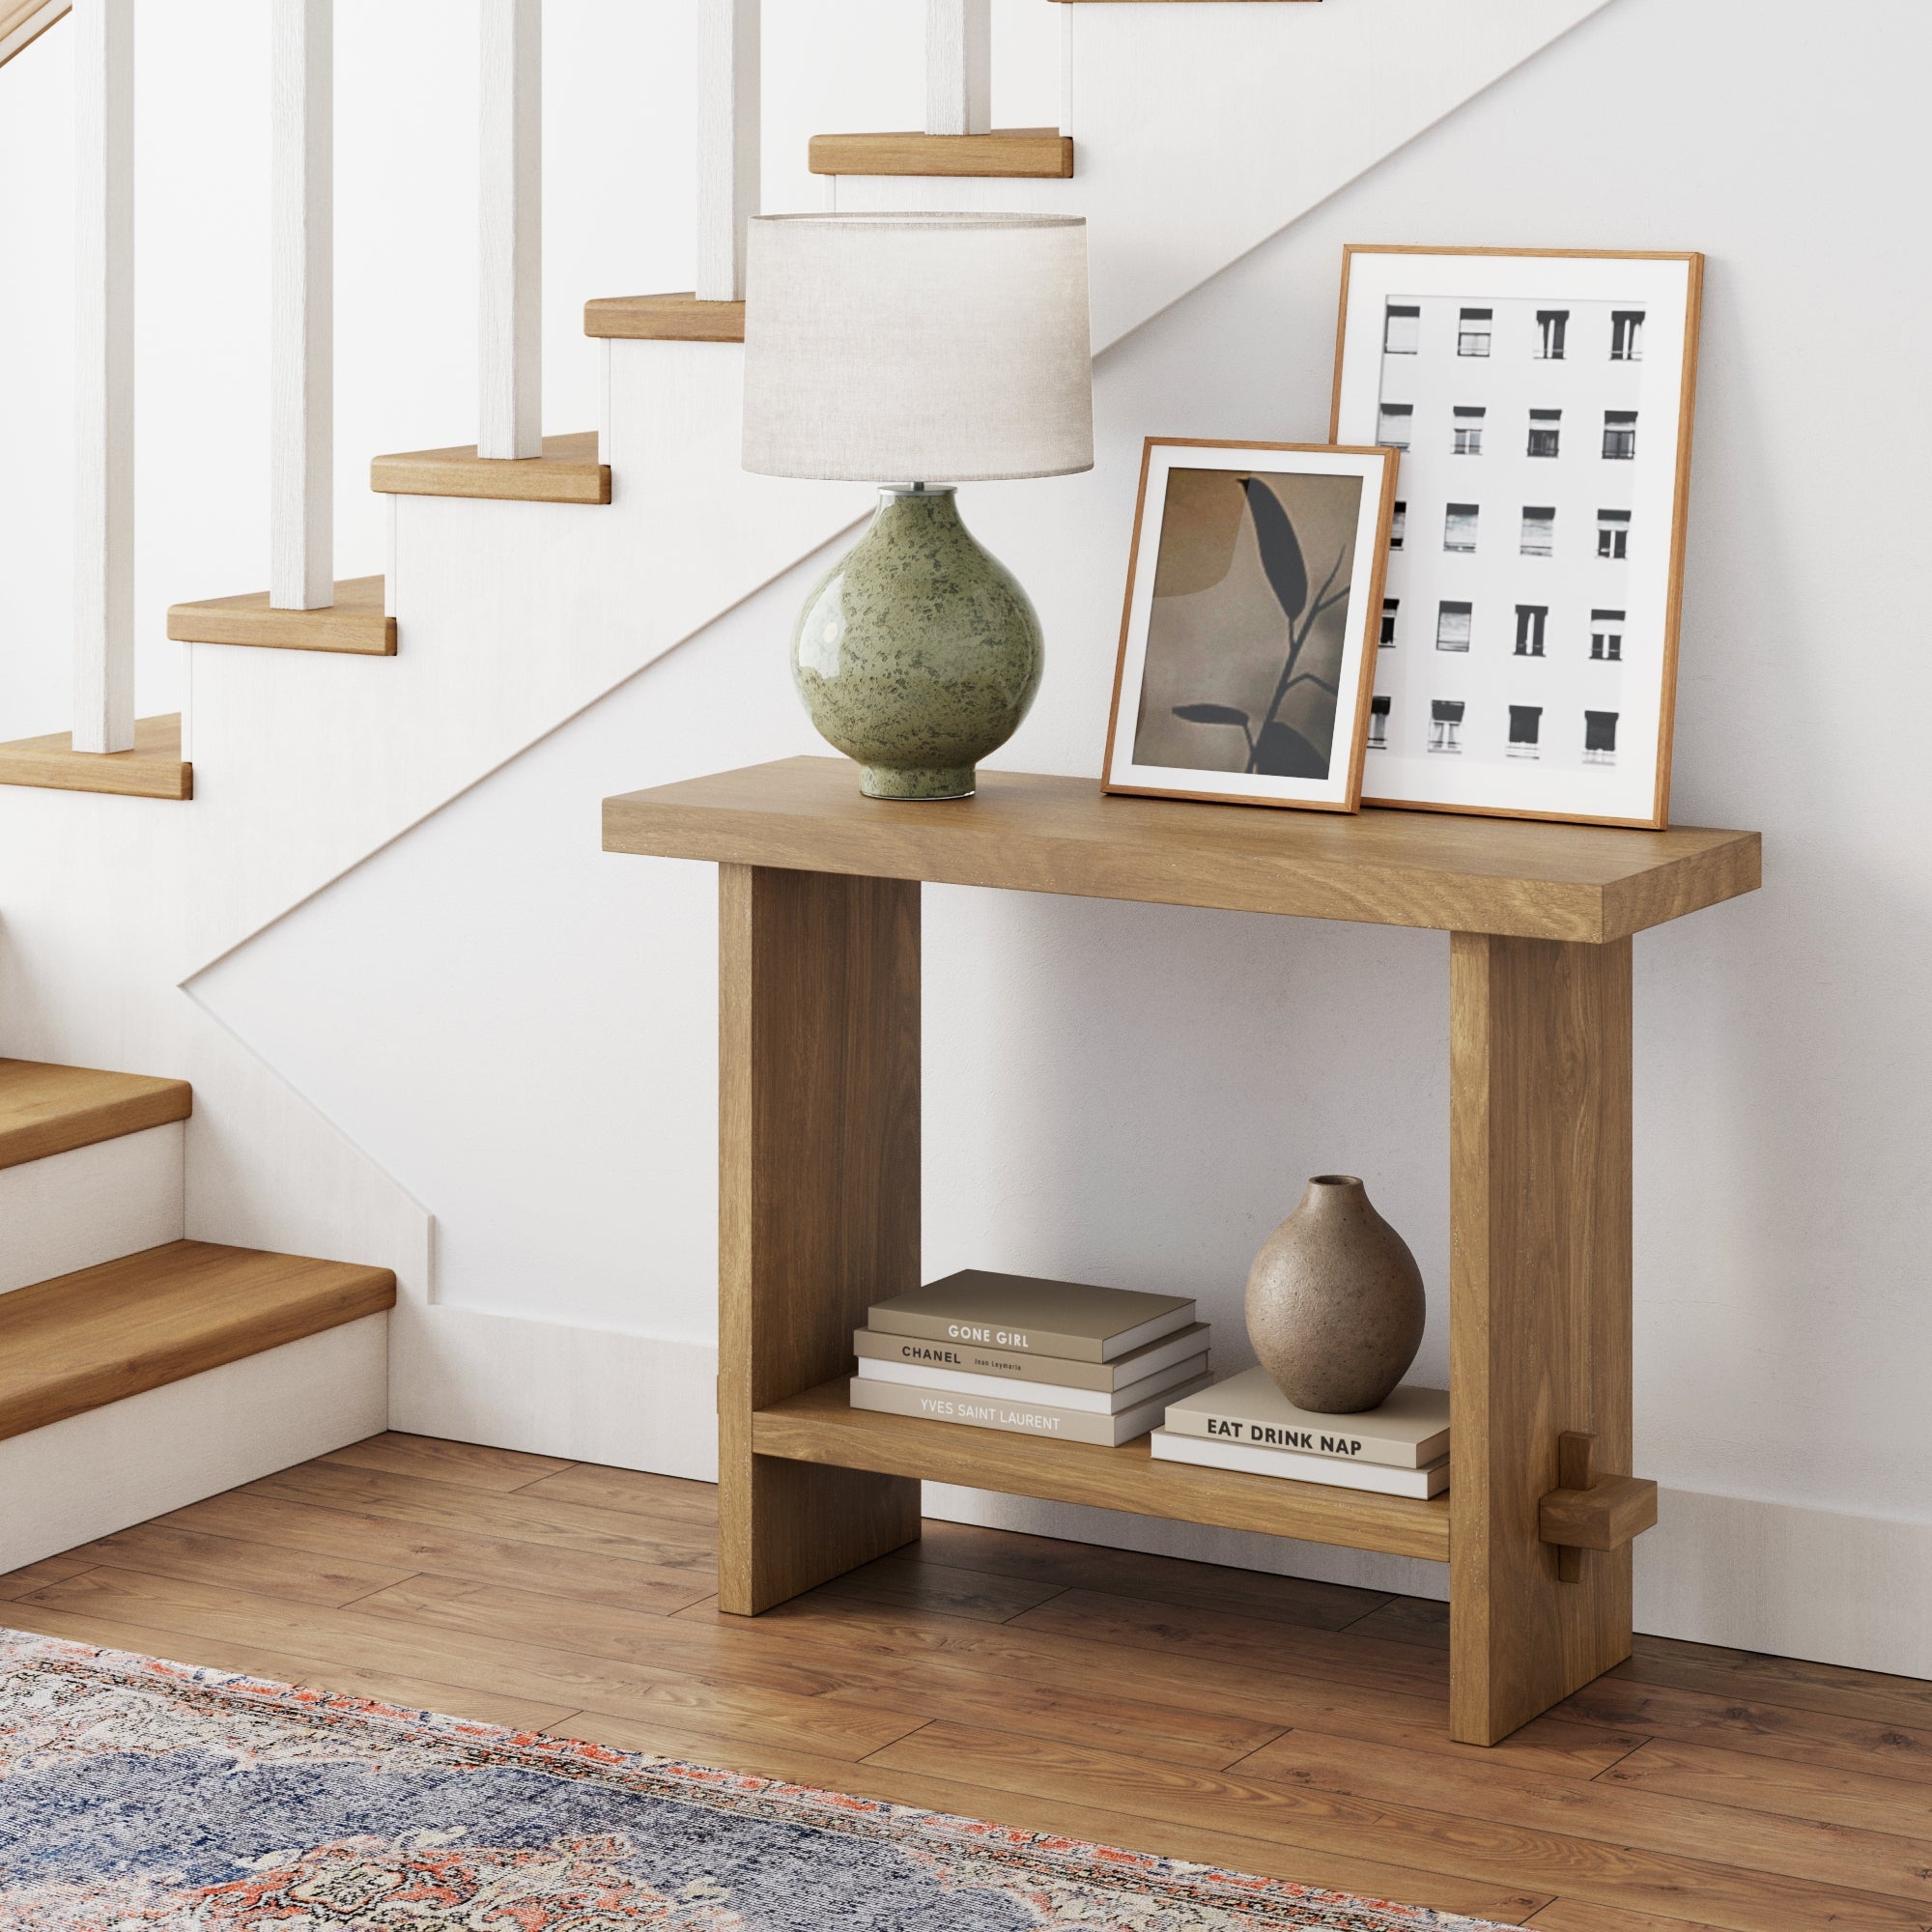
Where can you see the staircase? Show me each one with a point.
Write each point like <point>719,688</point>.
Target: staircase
<point>335,720</point>
<point>138,1370</point>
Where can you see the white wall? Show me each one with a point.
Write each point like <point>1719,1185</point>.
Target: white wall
<point>516,1031</point>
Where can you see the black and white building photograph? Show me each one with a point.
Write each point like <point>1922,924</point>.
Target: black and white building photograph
<point>1527,654</point>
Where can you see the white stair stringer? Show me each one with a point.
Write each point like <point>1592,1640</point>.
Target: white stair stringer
<point>1201,133</point>
<point>447,1006</point>
<point>512,616</point>
<point>1198,135</point>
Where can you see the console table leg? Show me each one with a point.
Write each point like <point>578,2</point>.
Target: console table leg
<point>1540,1313</point>
<point>818,1201</point>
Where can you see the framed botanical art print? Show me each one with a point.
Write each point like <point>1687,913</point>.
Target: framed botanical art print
<point>1541,403</point>
<point>1248,644</point>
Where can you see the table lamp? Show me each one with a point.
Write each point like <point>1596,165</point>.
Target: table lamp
<point>917,351</point>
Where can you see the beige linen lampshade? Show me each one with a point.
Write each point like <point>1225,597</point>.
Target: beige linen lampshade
<point>900,348</point>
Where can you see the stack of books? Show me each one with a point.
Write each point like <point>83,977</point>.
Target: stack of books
<point>1038,1357</point>
<point>1401,1449</point>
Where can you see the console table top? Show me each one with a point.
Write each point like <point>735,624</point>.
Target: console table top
<point>1027,832</point>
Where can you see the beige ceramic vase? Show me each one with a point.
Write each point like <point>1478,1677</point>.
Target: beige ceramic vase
<point>1335,1301</point>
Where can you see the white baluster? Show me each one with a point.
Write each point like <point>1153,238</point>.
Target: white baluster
<point>958,67</point>
<point>301,431</point>
<point>727,143</point>
<point>104,534</point>
<point>1067,71</point>
<point>512,232</point>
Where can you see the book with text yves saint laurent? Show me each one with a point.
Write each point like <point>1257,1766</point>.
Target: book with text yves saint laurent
<point>1013,1412</point>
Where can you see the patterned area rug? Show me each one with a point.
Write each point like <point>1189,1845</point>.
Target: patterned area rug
<point>135,1793</point>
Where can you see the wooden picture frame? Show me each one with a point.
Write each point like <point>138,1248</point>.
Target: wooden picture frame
<point>1247,647</point>
<point>1528,667</point>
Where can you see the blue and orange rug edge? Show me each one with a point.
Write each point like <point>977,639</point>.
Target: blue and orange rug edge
<point>1025,1853</point>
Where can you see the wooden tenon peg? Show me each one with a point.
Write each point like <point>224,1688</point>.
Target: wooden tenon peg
<point>1586,1511</point>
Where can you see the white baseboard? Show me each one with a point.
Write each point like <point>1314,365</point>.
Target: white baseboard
<point>594,1395</point>
<point>1723,1570</point>
<point>92,1474</point>
<point>1797,1582</point>
<point>90,1204</point>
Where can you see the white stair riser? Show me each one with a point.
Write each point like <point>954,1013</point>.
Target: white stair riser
<point>92,1205</point>
<point>96,1473</point>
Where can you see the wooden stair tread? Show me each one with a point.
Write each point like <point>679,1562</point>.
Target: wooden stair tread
<point>1012,153</point>
<point>567,472</point>
<point>153,769</point>
<point>81,1341</point>
<point>355,623</point>
<point>676,317</point>
<point>47,1109</point>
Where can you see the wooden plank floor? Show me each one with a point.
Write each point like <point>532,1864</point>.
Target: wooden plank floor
<point>1264,1723</point>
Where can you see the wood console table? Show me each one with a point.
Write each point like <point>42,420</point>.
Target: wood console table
<point>819,1175</point>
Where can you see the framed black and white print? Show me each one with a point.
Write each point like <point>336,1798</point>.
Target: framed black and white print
<point>1249,640</point>
<point>1541,403</point>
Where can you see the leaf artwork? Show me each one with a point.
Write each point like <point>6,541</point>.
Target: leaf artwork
<point>1281,554</point>
<point>1283,753</point>
<point>1277,750</point>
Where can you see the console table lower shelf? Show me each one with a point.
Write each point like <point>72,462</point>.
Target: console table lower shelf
<point>820,1426</point>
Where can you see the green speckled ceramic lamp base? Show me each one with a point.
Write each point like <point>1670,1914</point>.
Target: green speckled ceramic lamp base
<point>919,654</point>
<point>918,780</point>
